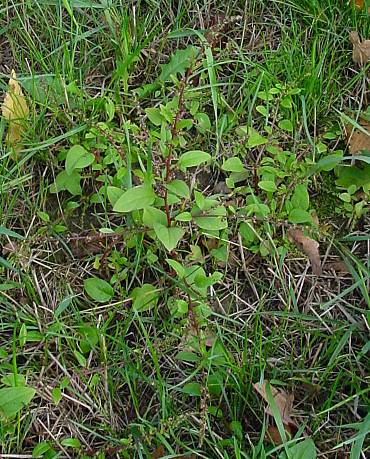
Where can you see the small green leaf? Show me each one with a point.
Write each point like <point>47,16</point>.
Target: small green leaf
<point>81,359</point>
<point>135,198</point>
<point>144,298</point>
<point>56,395</point>
<point>169,236</point>
<point>193,388</point>
<point>267,185</point>
<point>187,356</point>
<point>286,125</point>
<point>70,182</point>
<point>13,399</point>
<point>180,270</point>
<point>286,102</point>
<point>98,289</point>
<point>211,222</point>
<point>193,158</point>
<point>78,158</point>
<point>300,198</point>
<point>233,165</point>
<point>200,200</point>
<point>254,138</point>
<point>262,109</point>
<point>40,449</point>
<point>184,217</point>
<point>299,216</point>
<point>179,187</point>
<point>71,443</point>
<point>204,123</point>
<point>154,115</point>
<point>180,61</point>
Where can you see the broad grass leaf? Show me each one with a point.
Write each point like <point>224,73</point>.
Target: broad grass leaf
<point>13,399</point>
<point>135,198</point>
<point>16,111</point>
<point>98,289</point>
<point>308,246</point>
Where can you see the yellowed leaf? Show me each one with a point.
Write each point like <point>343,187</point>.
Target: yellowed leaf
<point>307,246</point>
<point>357,140</point>
<point>15,110</point>
<point>361,49</point>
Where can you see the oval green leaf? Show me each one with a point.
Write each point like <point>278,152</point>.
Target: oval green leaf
<point>135,198</point>
<point>193,158</point>
<point>13,399</point>
<point>98,289</point>
<point>78,158</point>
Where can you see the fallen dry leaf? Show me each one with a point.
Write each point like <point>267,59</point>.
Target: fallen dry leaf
<point>15,110</point>
<point>361,49</point>
<point>338,267</point>
<point>357,140</point>
<point>159,452</point>
<point>273,434</point>
<point>308,246</point>
<point>359,4</point>
<point>284,402</point>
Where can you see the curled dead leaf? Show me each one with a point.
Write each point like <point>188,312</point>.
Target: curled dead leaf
<point>307,246</point>
<point>357,140</point>
<point>15,110</point>
<point>361,49</point>
<point>283,401</point>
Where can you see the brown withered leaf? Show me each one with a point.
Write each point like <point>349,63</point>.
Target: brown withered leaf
<point>284,402</point>
<point>359,4</point>
<point>338,267</point>
<point>357,140</point>
<point>159,452</point>
<point>307,246</point>
<point>361,49</point>
<point>273,434</point>
<point>15,110</point>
